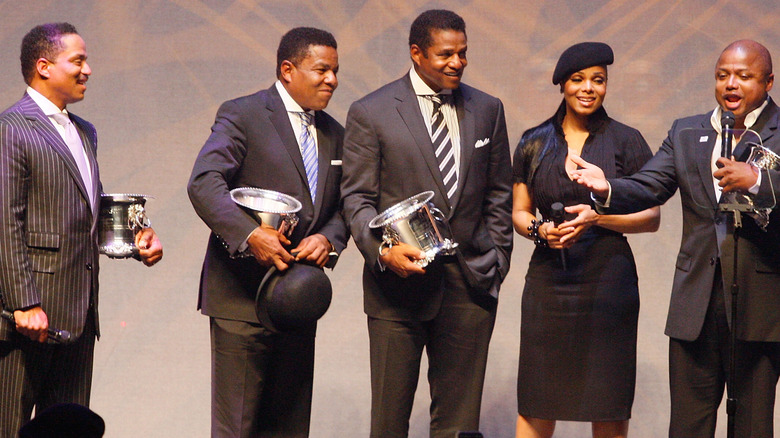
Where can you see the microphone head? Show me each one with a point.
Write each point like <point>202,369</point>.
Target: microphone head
<point>60,336</point>
<point>556,212</point>
<point>727,119</point>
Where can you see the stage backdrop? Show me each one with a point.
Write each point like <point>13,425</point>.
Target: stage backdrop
<point>162,67</point>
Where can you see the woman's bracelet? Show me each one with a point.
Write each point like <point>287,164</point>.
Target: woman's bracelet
<point>533,232</point>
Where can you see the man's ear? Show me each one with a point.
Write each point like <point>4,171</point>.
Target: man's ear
<point>42,66</point>
<point>416,53</point>
<point>286,70</point>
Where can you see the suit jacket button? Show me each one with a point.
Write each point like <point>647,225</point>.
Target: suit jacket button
<point>89,266</point>
<point>712,261</point>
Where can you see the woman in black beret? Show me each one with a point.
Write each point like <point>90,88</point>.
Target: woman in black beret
<point>580,302</point>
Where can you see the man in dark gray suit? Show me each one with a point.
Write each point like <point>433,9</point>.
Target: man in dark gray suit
<point>699,312</point>
<point>449,307</point>
<point>48,231</point>
<point>261,379</point>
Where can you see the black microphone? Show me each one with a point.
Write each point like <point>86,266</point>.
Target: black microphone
<point>556,213</point>
<point>727,125</point>
<point>59,336</point>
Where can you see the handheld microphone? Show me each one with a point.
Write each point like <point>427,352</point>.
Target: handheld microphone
<point>556,213</point>
<point>56,335</point>
<point>727,125</point>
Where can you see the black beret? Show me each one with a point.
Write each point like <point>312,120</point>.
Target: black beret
<point>580,56</point>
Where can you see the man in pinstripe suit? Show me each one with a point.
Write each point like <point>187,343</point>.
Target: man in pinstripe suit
<point>48,231</point>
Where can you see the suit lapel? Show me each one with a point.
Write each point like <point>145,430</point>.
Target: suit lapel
<point>281,121</point>
<point>704,142</point>
<point>767,123</point>
<point>325,145</point>
<point>91,151</point>
<point>48,132</point>
<point>467,124</point>
<point>409,110</point>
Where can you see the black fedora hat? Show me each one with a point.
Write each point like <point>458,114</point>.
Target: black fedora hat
<point>293,298</point>
<point>65,420</point>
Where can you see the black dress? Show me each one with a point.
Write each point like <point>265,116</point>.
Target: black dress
<point>578,326</point>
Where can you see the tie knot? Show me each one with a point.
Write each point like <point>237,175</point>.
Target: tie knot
<point>306,118</point>
<point>61,118</point>
<point>438,100</point>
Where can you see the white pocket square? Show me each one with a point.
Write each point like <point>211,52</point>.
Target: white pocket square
<point>481,143</point>
<point>335,162</point>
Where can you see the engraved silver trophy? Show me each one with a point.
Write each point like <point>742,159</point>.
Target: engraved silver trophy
<point>121,217</point>
<point>417,222</point>
<point>762,158</point>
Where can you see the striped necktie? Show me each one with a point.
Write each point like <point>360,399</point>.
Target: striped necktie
<point>442,146</point>
<point>309,153</point>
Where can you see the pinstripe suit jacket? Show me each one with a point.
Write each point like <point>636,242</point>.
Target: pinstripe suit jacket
<point>48,232</point>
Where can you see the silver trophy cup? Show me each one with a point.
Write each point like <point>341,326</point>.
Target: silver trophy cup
<point>268,207</point>
<point>122,216</point>
<point>417,222</point>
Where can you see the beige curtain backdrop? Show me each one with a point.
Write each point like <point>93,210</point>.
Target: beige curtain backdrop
<point>162,67</point>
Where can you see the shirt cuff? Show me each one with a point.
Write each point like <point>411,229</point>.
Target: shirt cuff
<point>606,202</point>
<point>757,185</point>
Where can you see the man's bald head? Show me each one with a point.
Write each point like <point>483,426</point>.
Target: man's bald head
<point>761,53</point>
<point>743,78</point>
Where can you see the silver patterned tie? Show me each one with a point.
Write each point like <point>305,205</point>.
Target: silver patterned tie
<point>309,153</point>
<point>442,146</point>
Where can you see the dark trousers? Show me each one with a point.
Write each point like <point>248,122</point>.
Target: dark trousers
<point>697,376</point>
<point>456,342</point>
<point>261,382</point>
<point>41,375</point>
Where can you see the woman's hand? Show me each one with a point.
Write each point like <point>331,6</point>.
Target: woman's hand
<point>573,229</point>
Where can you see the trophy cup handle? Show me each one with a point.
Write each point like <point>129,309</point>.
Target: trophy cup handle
<point>448,245</point>
<point>137,219</point>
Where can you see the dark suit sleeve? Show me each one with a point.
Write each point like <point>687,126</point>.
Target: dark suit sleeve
<point>653,185</point>
<point>209,190</point>
<point>497,204</point>
<point>360,181</point>
<point>17,286</point>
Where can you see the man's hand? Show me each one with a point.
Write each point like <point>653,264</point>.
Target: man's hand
<point>313,249</point>
<point>590,176</point>
<point>735,176</point>
<point>32,323</point>
<point>400,259</point>
<point>265,244</point>
<point>149,247</point>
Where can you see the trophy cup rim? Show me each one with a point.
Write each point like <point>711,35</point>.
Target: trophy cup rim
<point>293,204</point>
<point>401,209</point>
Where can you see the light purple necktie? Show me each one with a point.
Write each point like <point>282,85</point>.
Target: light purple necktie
<point>72,139</point>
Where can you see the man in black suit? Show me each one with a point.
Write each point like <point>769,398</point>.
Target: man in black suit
<point>449,307</point>
<point>49,203</point>
<point>262,380</point>
<point>699,312</point>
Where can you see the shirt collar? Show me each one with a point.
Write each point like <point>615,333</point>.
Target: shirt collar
<point>750,119</point>
<point>421,88</point>
<point>43,103</point>
<point>289,103</point>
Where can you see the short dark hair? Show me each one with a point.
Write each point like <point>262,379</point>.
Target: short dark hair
<point>294,46</point>
<point>433,19</point>
<point>42,41</point>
